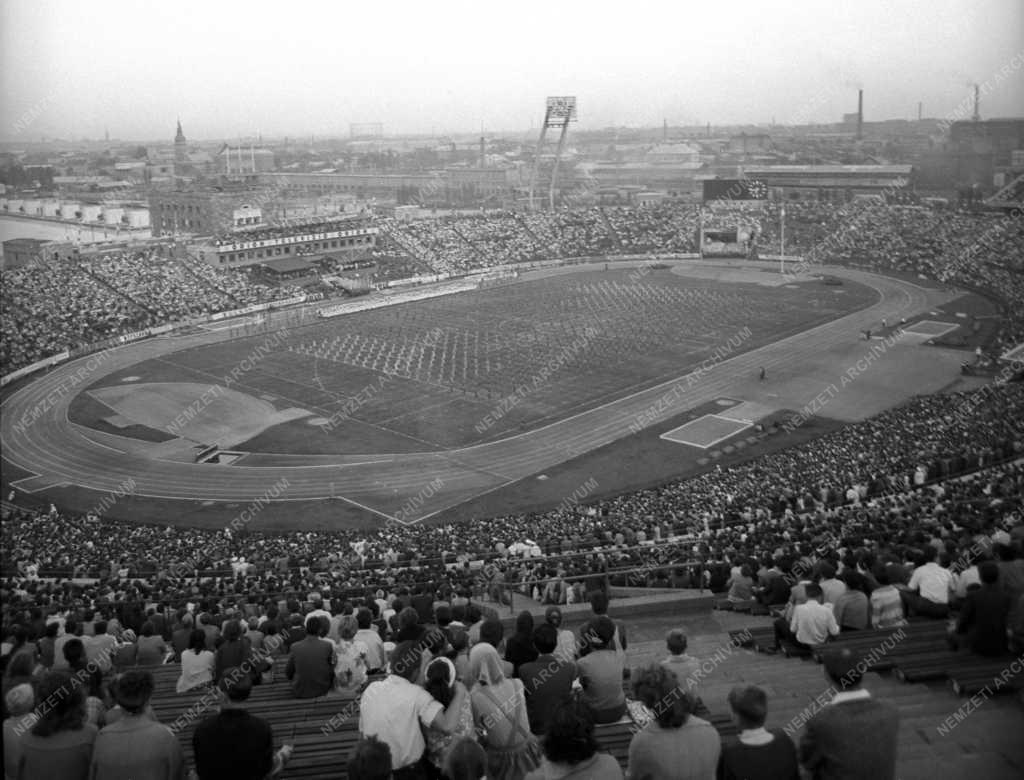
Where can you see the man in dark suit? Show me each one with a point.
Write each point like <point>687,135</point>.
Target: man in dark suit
<point>984,615</point>
<point>548,680</point>
<point>835,743</point>
<point>311,662</point>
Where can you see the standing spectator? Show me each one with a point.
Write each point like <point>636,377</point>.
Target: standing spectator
<point>599,606</point>
<point>886,605</point>
<point>499,712</point>
<point>89,673</point>
<point>756,754</point>
<point>136,745</point>
<point>833,745</point>
<point>60,744</point>
<point>519,648</point>
<point>350,655</point>
<point>72,630</point>
<point>983,619</point>
<point>566,649</point>
<point>151,646</point>
<point>48,645</point>
<point>370,760</point>
<point>440,682</point>
<point>570,749</point>
<point>741,586</point>
<point>127,651</point>
<point>396,710</point>
<point>182,636</point>
<point>235,743</point>
<point>311,662</point>
<point>929,588</point>
<point>675,744</point>
<point>547,680</point>
<point>197,664</point>
<point>600,674</point>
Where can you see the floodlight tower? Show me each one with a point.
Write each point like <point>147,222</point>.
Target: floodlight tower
<point>558,112</point>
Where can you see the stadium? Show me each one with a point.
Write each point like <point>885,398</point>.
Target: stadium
<point>401,457</point>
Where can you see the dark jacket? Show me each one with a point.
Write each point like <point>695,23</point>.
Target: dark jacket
<point>548,683</point>
<point>833,746</point>
<point>983,618</point>
<point>311,668</point>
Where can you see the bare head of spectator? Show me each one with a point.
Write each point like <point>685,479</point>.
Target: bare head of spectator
<point>599,603</point>
<point>20,700</point>
<point>316,625</point>
<point>657,687</point>
<point>569,739</point>
<point>234,687</point>
<point>545,639</point>
<point>553,615</point>
<point>844,668</point>
<point>133,690</point>
<point>364,618</point>
<point>492,632</point>
<point>67,712</point>
<point>675,641</point>
<point>749,706</point>
<point>406,660</point>
<point>370,760</point>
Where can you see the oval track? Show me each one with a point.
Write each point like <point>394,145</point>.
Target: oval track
<point>58,453</point>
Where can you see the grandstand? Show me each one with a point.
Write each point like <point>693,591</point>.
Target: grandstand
<point>939,473</point>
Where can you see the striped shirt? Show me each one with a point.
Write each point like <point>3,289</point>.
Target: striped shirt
<point>886,608</point>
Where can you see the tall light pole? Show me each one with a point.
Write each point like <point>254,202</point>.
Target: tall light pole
<point>782,238</point>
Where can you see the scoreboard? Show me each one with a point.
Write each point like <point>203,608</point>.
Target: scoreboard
<point>734,189</point>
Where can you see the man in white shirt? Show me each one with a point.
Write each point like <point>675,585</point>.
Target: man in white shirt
<point>812,622</point>
<point>928,591</point>
<point>396,710</point>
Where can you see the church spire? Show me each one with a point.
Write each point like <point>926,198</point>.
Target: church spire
<point>179,137</point>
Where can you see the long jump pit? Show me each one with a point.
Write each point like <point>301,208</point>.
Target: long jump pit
<point>707,431</point>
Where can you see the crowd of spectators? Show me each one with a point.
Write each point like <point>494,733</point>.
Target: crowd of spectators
<point>51,307</point>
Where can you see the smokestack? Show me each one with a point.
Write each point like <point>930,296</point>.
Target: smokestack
<point>860,113</point>
<point>977,104</point>
<point>483,154</point>
<point>919,110</point>
<point>664,129</point>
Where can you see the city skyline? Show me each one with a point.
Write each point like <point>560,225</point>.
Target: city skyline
<point>75,72</point>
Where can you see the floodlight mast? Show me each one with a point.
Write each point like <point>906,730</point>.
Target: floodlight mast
<point>558,112</point>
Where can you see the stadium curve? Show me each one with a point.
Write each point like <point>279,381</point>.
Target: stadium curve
<point>56,452</point>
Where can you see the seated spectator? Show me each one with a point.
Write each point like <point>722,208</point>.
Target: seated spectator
<point>197,664</point>
<point>127,652</point>
<point>91,676</point>
<point>47,645</point>
<point>674,743</point>
<point>137,745</point>
<point>99,648</point>
<point>831,588</point>
<point>350,654</point>
<point>182,636</point>
<point>440,681</point>
<point>371,640</point>
<point>60,744</point>
<point>547,680</point>
<point>234,742</point>
<point>466,761</point>
<point>983,618</point>
<point>499,713</point>
<point>686,667</point>
<point>599,606</point>
<point>812,623</point>
<point>570,749</point>
<point>370,760</point>
<point>459,652</point>
<point>396,710</point>
<point>757,753</point>
<point>18,704</point>
<point>929,589</point>
<point>886,604</point>
<point>566,649</point>
<point>235,652</point>
<point>519,648</point>
<point>311,662</point>
<point>852,607</point>
<point>600,673</point>
<point>774,588</point>
<point>741,587</point>
<point>833,744</point>
<point>151,646</point>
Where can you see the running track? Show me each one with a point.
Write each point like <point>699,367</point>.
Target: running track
<point>58,454</point>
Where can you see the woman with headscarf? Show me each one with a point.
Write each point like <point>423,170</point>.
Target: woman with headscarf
<point>499,713</point>
<point>519,648</point>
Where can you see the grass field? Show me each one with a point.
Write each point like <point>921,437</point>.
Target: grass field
<point>472,367</point>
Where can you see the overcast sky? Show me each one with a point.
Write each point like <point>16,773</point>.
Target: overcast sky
<point>72,68</point>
